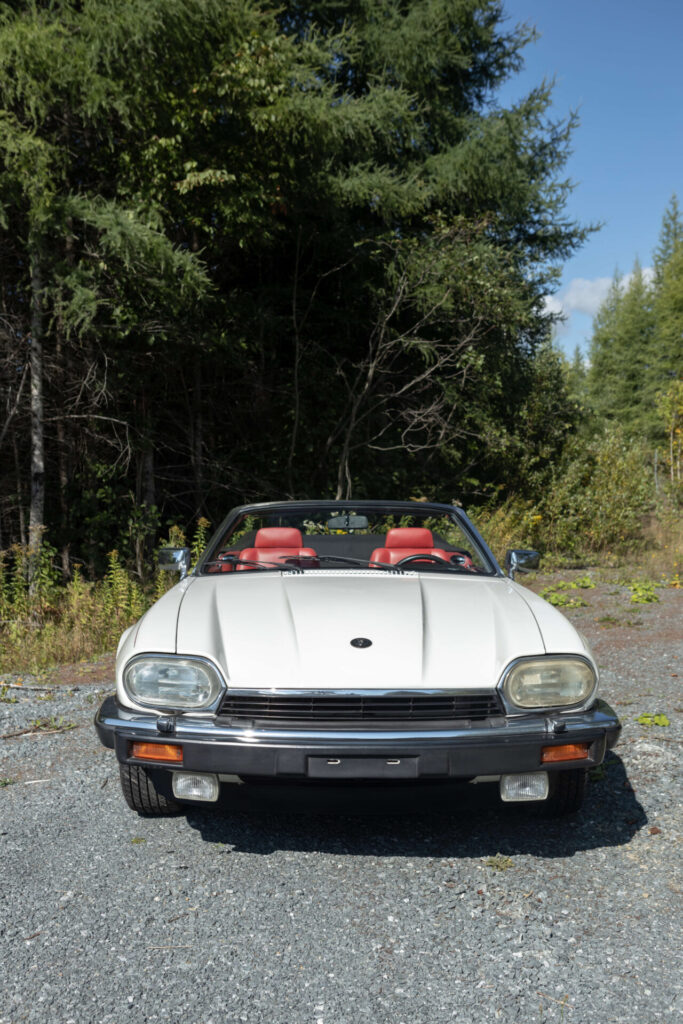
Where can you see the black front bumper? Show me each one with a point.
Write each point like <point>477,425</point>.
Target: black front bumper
<point>495,746</point>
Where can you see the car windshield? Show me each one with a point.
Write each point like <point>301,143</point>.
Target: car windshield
<point>346,537</point>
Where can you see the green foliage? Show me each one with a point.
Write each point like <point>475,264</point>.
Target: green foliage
<point>200,538</point>
<point>599,494</point>
<point>56,723</point>
<point>642,592</point>
<point>636,350</point>
<point>670,237</point>
<point>552,594</point>
<point>670,409</point>
<point>205,186</point>
<point>64,623</point>
<point>648,720</point>
<point>299,251</point>
<point>622,380</point>
<point>499,862</point>
<point>556,594</point>
<point>594,499</point>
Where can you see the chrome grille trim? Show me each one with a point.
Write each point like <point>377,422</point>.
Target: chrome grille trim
<point>360,705</point>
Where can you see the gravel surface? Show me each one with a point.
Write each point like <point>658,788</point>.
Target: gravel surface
<point>338,906</point>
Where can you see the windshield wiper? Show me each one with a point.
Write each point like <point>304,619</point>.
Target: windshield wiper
<point>256,564</point>
<point>365,563</point>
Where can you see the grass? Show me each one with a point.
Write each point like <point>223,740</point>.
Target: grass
<point>52,724</point>
<point>499,862</point>
<point>62,625</point>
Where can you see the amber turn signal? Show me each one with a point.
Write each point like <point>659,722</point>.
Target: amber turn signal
<point>157,751</point>
<point>565,752</point>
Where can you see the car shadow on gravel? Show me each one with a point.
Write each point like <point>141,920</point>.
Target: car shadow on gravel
<point>428,820</point>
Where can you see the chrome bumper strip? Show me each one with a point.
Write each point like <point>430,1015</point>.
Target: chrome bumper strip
<point>133,724</point>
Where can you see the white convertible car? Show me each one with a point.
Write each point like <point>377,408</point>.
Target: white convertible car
<point>353,640</point>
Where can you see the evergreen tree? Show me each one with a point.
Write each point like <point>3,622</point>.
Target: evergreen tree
<point>670,237</point>
<point>622,380</point>
<point>268,253</point>
<point>667,355</point>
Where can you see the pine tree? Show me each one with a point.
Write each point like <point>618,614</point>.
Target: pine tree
<point>670,237</point>
<point>667,346</point>
<point>622,380</point>
<point>218,218</point>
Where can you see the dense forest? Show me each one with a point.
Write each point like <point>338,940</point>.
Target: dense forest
<point>252,253</point>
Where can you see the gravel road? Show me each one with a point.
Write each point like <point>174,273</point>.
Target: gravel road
<point>340,906</point>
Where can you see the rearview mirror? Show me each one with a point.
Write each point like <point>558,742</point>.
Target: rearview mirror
<point>175,560</point>
<point>347,523</point>
<point>521,560</point>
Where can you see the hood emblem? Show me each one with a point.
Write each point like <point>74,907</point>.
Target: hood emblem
<point>361,641</point>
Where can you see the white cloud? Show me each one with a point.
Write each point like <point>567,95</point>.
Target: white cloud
<point>585,296</point>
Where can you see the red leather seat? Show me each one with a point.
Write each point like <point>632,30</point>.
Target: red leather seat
<point>275,544</point>
<point>408,540</point>
<point>222,562</point>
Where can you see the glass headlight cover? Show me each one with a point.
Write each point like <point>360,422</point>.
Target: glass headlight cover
<point>172,682</point>
<point>549,682</point>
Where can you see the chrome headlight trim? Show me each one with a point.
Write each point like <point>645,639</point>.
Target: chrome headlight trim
<point>511,708</point>
<point>217,682</point>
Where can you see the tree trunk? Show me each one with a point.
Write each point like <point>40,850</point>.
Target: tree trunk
<point>37,507</point>
<point>61,359</point>
<point>62,460</point>
<point>20,493</point>
<point>147,499</point>
<point>197,437</point>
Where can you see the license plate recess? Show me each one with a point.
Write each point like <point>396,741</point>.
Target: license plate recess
<point>363,767</point>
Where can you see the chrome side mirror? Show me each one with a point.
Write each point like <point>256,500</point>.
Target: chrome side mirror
<point>175,560</point>
<point>521,560</point>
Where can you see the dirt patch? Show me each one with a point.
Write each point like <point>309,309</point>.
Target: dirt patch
<point>609,618</point>
<point>100,672</point>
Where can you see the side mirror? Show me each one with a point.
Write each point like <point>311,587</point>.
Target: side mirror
<point>521,560</point>
<point>175,560</point>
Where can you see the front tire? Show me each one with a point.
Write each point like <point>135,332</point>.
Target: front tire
<point>567,792</point>
<point>141,794</point>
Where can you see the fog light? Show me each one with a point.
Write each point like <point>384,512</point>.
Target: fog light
<point>525,786</point>
<point>192,786</point>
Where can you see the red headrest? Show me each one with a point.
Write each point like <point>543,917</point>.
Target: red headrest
<point>409,537</point>
<point>278,537</point>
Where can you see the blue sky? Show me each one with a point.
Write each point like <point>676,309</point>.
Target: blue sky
<point>620,65</point>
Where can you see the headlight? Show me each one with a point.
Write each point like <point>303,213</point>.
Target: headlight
<point>172,682</point>
<point>549,682</point>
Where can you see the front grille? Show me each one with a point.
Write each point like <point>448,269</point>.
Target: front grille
<point>361,707</point>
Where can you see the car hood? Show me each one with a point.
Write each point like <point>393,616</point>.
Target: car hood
<point>426,631</point>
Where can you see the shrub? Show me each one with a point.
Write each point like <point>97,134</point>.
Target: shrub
<point>51,623</point>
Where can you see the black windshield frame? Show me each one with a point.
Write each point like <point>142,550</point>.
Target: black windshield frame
<point>364,506</point>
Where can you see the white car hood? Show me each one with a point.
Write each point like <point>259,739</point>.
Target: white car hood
<point>295,630</point>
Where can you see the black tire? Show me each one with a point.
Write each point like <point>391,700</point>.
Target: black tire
<point>567,790</point>
<point>142,795</point>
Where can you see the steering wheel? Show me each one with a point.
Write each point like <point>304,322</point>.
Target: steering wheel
<point>409,559</point>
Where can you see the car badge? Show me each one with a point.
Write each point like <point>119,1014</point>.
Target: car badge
<point>361,641</point>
